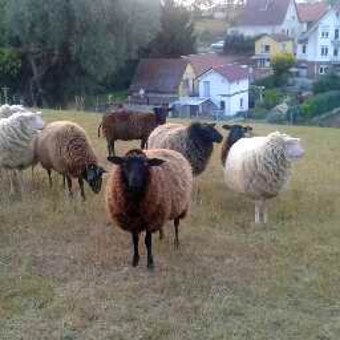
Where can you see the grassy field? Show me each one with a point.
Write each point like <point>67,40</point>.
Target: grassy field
<point>65,271</point>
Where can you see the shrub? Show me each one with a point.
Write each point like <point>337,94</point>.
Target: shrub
<point>271,98</point>
<point>327,83</point>
<point>281,63</point>
<point>321,103</point>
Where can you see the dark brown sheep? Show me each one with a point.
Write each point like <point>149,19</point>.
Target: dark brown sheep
<point>128,125</point>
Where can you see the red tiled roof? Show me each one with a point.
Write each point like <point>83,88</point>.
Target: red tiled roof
<point>280,37</point>
<point>203,63</point>
<point>159,75</point>
<point>263,12</point>
<point>310,12</point>
<point>232,72</point>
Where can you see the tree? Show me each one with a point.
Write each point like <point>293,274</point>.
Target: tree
<point>176,37</point>
<point>238,44</point>
<point>71,46</point>
<point>281,63</point>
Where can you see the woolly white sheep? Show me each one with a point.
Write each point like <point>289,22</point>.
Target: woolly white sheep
<point>261,166</point>
<point>7,110</point>
<point>146,189</point>
<point>17,134</point>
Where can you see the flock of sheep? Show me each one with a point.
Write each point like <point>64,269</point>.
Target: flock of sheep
<point>148,187</point>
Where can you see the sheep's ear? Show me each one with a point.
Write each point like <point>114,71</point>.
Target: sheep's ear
<point>249,128</point>
<point>155,161</point>
<point>101,170</point>
<point>115,160</point>
<point>226,127</point>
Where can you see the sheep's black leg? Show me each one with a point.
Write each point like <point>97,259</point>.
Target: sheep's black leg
<point>176,224</point>
<point>109,149</point>
<point>148,243</point>
<point>69,185</point>
<point>135,259</point>
<point>81,185</point>
<point>113,148</point>
<point>64,181</point>
<point>49,177</point>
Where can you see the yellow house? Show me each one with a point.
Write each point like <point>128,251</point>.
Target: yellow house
<point>268,46</point>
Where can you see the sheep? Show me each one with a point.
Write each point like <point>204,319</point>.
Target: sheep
<point>17,135</point>
<point>236,132</point>
<point>144,190</point>
<point>7,110</point>
<point>127,125</point>
<point>194,142</point>
<point>64,146</point>
<point>261,166</point>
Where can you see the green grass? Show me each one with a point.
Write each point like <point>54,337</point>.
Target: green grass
<point>65,271</point>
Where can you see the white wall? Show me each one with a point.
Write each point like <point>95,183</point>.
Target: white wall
<point>222,90</point>
<point>291,23</point>
<point>328,23</point>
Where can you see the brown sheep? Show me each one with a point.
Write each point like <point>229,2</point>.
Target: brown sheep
<point>145,189</point>
<point>127,125</point>
<point>64,146</point>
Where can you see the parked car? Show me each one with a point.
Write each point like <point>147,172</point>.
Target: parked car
<point>217,45</point>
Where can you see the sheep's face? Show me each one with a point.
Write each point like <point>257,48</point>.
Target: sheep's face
<point>237,132</point>
<point>135,171</point>
<point>93,176</point>
<point>294,149</point>
<point>207,132</point>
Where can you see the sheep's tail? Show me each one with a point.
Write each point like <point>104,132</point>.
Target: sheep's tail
<point>99,128</point>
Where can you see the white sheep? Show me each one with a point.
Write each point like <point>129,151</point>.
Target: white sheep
<point>17,134</point>
<point>7,110</point>
<point>261,166</point>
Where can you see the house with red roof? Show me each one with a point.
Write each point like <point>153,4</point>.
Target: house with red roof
<point>158,81</point>
<point>269,17</point>
<point>318,50</point>
<point>227,86</point>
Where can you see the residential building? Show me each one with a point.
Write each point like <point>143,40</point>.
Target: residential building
<point>318,50</point>
<point>158,81</point>
<point>267,46</point>
<point>227,86</point>
<point>269,17</point>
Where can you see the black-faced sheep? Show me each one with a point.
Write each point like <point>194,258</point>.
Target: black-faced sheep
<point>194,142</point>
<point>64,146</point>
<point>236,132</point>
<point>146,189</point>
<point>127,125</point>
<point>260,167</point>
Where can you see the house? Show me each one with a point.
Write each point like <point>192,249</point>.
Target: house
<point>269,17</point>
<point>267,46</point>
<point>227,86</point>
<point>309,13</point>
<point>159,81</point>
<point>318,50</point>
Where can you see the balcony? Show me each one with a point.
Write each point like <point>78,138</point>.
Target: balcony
<point>335,60</point>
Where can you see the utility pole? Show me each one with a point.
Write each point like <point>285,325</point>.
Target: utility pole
<point>5,92</point>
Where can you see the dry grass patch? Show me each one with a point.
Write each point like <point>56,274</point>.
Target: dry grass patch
<point>65,272</point>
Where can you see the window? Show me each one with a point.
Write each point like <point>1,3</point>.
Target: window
<point>261,62</point>
<point>324,34</point>
<point>324,51</point>
<point>206,89</point>
<point>336,34</point>
<point>304,49</point>
<point>241,103</point>
<point>336,52</point>
<point>186,84</point>
<point>267,48</point>
<point>323,69</point>
<point>222,105</point>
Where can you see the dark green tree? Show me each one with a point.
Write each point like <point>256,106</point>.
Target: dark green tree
<point>70,47</point>
<point>177,34</point>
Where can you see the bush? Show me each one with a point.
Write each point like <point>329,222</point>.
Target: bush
<point>327,83</point>
<point>271,98</point>
<point>281,63</point>
<point>321,103</point>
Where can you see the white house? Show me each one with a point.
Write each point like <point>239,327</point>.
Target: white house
<point>269,17</point>
<point>227,86</point>
<point>318,49</point>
